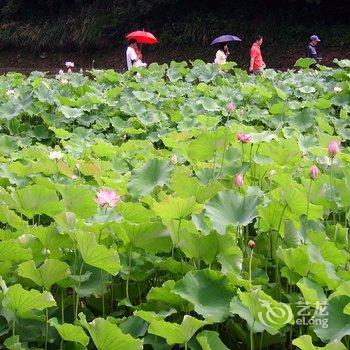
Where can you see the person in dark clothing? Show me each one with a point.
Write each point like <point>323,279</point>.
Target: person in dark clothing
<point>311,49</point>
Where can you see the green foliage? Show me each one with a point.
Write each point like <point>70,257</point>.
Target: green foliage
<point>123,225</point>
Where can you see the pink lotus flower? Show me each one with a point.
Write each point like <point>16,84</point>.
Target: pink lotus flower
<point>239,181</point>
<point>313,172</point>
<point>333,148</point>
<point>69,64</point>
<point>106,198</point>
<point>230,107</point>
<point>243,137</point>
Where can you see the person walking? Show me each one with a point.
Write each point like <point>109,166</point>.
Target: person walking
<point>221,54</point>
<point>311,51</point>
<point>257,63</point>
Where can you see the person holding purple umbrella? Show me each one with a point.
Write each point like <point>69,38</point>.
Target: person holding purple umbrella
<point>222,41</point>
<point>221,54</point>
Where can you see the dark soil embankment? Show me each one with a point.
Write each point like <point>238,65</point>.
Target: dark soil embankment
<point>26,62</point>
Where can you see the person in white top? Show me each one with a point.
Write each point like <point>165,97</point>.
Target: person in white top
<point>221,54</point>
<point>133,55</point>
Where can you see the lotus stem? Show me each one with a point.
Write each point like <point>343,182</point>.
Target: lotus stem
<point>62,313</point>
<point>251,337</point>
<point>331,186</point>
<point>250,163</point>
<point>308,203</point>
<point>103,294</point>
<point>77,296</point>
<point>46,328</point>
<point>214,167</point>
<point>225,145</point>
<point>101,274</point>
<point>128,276</point>
<point>13,332</point>
<point>250,268</point>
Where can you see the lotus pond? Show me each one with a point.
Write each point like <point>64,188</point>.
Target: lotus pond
<point>185,207</point>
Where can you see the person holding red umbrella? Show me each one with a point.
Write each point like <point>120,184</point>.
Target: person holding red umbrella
<point>133,53</point>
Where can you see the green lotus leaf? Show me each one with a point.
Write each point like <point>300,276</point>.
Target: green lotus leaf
<point>97,255</point>
<point>209,104</point>
<point>312,292</point>
<point>23,302</point>
<point>49,273</point>
<point>175,333</point>
<point>13,251</point>
<point>70,332</point>
<point>210,340</point>
<point>107,336</point>
<point>171,208</point>
<point>165,294</point>
<point>153,237</point>
<point>262,312</point>
<point>13,343</point>
<point>304,342</point>
<point>135,212</point>
<point>154,173</point>
<point>197,246</point>
<point>206,145</point>
<point>296,259</point>
<point>304,62</point>
<point>208,291</point>
<point>79,200</point>
<point>135,326</point>
<point>331,323</point>
<point>186,186</point>
<point>37,199</point>
<point>230,208</point>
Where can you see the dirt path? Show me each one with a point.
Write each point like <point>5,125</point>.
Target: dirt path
<point>27,62</point>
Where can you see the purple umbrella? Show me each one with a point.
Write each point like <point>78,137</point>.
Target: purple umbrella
<point>225,39</point>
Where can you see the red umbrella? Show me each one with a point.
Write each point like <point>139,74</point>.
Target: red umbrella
<point>142,37</point>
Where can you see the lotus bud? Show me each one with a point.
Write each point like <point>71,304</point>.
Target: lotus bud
<point>173,159</point>
<point>313,172</point>
<point>230,107</point>
<point>239,181</point>
<point>333,148</point>
<point>251,244</point>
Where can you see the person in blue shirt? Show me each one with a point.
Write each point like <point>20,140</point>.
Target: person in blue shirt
<point>311,49</point>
